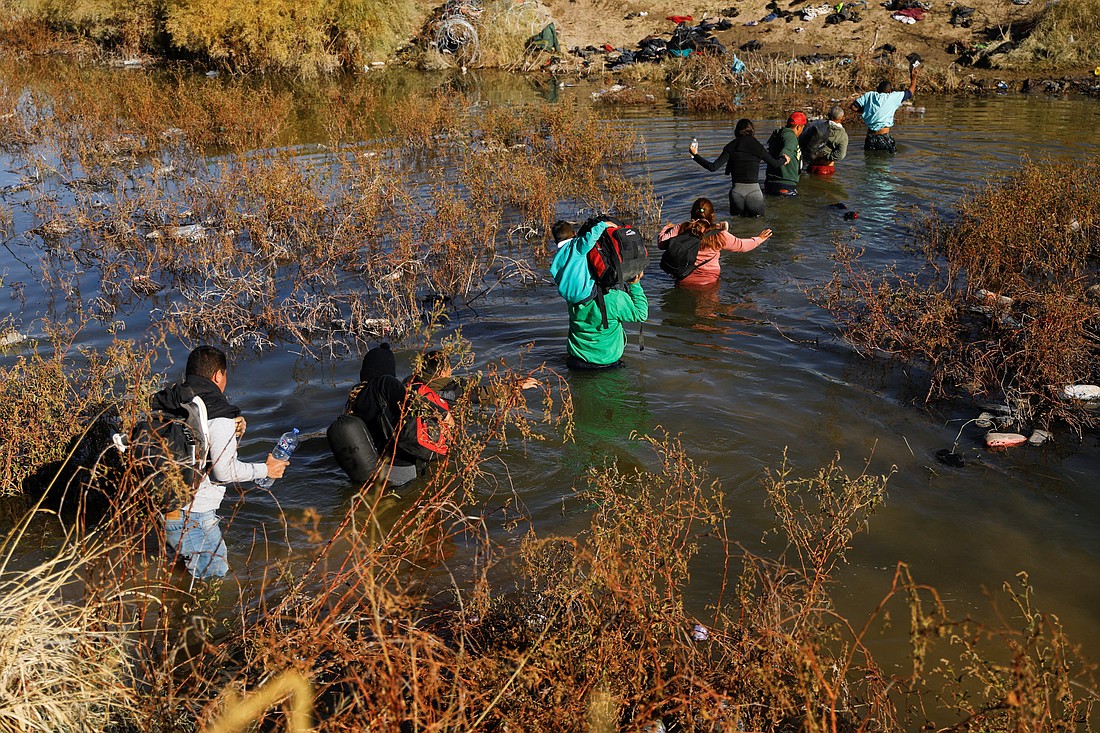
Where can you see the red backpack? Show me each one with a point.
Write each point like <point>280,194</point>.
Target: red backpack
<point>426,423</point>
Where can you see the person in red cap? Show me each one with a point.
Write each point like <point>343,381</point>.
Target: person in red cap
<point>783,180</point>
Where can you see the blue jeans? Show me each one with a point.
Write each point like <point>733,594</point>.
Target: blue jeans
<point>197,537</point>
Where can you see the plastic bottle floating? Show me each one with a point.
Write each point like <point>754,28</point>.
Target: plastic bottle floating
<point>988,296</point>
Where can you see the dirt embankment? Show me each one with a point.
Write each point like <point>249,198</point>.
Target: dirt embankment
<point>598,22</point>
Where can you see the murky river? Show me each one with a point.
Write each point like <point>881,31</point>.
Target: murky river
<point>747,372</point>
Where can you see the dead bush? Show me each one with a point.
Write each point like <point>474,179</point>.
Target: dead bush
<point>1002,308</point>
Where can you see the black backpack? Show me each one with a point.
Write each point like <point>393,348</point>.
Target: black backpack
<point>170,447</point>
<point>680,255</point>
<point>620,255</point>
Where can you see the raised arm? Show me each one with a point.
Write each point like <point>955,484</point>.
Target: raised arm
<point>731,243</point>
<point>718,165</point>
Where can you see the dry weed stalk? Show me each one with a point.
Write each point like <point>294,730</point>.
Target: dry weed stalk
<point>64,666</point>
<point>392,634</point>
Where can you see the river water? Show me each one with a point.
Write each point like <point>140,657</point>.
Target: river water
<point>744,374</point>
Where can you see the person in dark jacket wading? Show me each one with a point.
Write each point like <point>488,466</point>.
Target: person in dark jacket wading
<point>740,160</point>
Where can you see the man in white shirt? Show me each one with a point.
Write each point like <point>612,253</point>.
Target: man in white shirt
<point>192,531</point>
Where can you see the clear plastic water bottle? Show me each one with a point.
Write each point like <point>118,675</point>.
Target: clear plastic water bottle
<point>282,451</point>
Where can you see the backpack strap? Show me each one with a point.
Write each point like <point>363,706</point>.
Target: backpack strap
<point>697,265</point>
<point>199,422</point>
<point>354,395</point>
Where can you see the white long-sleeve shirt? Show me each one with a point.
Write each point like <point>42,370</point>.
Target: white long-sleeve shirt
<point>224,467</point>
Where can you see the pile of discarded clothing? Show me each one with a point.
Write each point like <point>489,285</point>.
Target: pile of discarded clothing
<point>907,11</point>
<point>844,12</point>
<point>684,40</point>
<point>979,54</point>
<point>961,16</point>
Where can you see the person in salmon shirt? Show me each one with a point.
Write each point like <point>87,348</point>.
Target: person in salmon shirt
<point>714,239</point>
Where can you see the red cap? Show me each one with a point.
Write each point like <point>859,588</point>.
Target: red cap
<point>796,119</point>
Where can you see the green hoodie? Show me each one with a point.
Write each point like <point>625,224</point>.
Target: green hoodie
<point>589,340</point>
<point>783,141</point>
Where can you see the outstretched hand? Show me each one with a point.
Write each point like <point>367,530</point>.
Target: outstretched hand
<point>693,148</point>
<point>766,234</point>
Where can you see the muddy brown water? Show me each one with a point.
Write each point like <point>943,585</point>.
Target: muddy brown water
<point>744,374</point>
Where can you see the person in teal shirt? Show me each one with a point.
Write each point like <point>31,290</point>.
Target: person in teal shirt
<point>592,345</point>
<point>878,108</point>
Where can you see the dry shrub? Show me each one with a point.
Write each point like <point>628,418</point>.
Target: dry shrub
<point>46,401</point>
<point>503,30</point>
<point>565,634</point>
<point>306,38</point>
<point>1033,229</point>
<point>65,668</point>
<point>426,121</point>
<point>1066,35</point>
<point>129,26</point>
<point>324,250</point>
<point>1028,239</point>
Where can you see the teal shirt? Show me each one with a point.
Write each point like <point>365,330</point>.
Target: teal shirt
<point>590,341</point>
<point>786,175</point>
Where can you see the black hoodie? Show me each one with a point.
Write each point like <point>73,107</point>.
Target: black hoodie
<point>379,403</point>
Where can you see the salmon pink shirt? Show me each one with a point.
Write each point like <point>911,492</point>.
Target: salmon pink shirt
<point>709,265</point>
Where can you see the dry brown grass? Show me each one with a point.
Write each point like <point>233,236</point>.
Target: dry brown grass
<point>1031,237</point>
<point>64,667</point>
<point>1067,35</point>
<point>582,633</point>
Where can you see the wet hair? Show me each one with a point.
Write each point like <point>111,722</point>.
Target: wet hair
<point>562,230</point>
<point>702,218</point>
<point>836,113</point>
<point>703,209</point>
<point>885,87</point>
<point>206,361</point>
<point>744,127</point>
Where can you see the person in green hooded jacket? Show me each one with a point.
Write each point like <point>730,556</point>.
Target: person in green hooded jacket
<point>594,345</point>
<point>783,180</point>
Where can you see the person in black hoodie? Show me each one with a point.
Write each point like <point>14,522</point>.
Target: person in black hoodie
<point>741,161</point>
<point>193,531</point>
<point>377,400</point>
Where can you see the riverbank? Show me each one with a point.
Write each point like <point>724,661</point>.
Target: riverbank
<point>1017,42</point>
